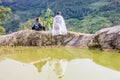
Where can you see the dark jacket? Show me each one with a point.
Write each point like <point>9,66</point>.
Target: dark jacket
<point>38,27</point>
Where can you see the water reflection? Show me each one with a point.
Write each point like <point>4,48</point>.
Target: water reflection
<point>13,70</point>
<point>55,69</point>
<point>28,55</point>
<point>86,69</point>
<point>60,68</point>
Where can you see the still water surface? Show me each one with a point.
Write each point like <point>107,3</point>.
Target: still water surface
<point>58,64</point>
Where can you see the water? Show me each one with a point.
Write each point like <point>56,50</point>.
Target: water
<point>58,64</point>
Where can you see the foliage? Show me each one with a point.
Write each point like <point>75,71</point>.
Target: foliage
<point>25,25</point>
<point>2,30</point>
<point>48,19</point>
<point>4,11</point>
<point>106,14</point>
<point>80,7</point>
<point>3,14</point>
<point>77,13</point>
<point>73,24</point>
<point>91,24</point>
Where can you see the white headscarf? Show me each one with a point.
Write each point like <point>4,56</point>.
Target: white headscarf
<point>59,26</point>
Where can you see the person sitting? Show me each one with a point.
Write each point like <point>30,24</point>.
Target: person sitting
<point>59,26</point>
<point>37,26</point>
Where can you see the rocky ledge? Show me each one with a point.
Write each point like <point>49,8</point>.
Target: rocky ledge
<point>108,38</point>
<point>45,38</point>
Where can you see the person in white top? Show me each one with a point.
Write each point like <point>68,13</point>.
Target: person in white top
<point>59,26</point>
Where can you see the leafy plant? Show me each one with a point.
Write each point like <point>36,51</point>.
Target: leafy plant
<point>2,30</point>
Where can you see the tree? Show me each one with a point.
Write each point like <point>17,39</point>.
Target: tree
<point>25,25</point>
<point>91,24</point>
<point>48,19</point>
<point>4,14</point>
<point>3,17</point>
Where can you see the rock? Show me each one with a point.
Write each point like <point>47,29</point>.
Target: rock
<point>108,38</point>
<point>80,39</point>
<point>44,38</point>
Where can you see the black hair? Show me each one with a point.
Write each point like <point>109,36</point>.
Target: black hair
<point>37,19</point>
<point>59,13</point>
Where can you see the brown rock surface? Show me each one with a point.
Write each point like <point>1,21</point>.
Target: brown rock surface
<point>108,38</point>
<point>44,38</point>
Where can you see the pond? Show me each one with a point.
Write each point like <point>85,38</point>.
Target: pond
<point>58,63</point>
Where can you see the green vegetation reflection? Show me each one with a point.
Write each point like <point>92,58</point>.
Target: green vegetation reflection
<point>39,56</point>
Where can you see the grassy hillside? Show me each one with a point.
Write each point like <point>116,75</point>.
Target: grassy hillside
<point>81,15</point>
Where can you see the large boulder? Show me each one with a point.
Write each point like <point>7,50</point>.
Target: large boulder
<point>44,38</point>
<point>108,38</point>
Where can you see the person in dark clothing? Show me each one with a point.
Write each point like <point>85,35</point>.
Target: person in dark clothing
<point>37,26</point>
